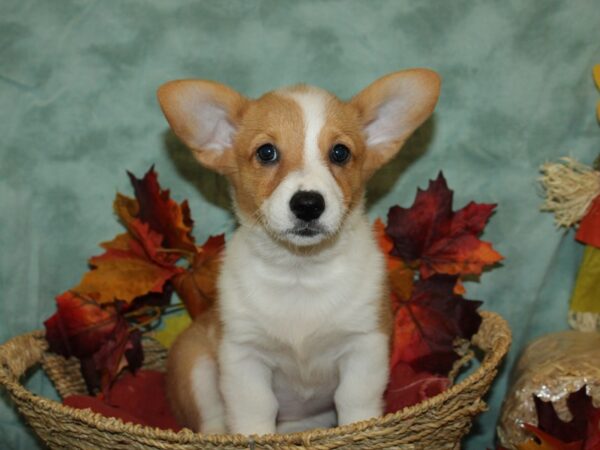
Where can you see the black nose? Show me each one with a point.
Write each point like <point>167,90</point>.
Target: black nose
<point>307,205</point>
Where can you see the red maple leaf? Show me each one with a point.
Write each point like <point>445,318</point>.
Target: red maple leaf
<point>144,394</point>
<point>122,349</point>
<point>96,334</point>
<point>139,398</point>
<point>432,237</point>
<point>80,326</point>
<point>151,243</point>
<point>582,432</point>
<point>408,387</point>
<point>589,227</point>
<point>428,325</point>
<point>432,318</point>
<point>164,216</point>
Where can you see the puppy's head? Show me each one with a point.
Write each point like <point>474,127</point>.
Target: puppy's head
<point>298,158</point>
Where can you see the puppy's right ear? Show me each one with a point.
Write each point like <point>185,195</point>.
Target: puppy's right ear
<point>205,115</point>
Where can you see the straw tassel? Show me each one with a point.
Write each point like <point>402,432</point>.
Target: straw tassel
<point>570,189</point>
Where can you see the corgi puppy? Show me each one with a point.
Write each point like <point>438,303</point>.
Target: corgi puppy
<point>300,335</point>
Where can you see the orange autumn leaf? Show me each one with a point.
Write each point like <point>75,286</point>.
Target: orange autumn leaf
<point>197,286</point>
<point>402,282</point>
<point>546,442</point>
<point>401,277</point>
<point>459,255</point>
<point>460,289</point>
<point>386,245</point>
<point>125,271</point>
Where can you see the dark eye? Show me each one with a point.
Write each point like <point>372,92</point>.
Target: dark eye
<point>339,154</point>
<point>267,154</point>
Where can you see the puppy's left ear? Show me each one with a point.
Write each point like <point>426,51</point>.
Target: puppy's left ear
<point>392,108</point>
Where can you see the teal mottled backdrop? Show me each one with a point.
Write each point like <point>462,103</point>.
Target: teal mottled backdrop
<point>78,108</point>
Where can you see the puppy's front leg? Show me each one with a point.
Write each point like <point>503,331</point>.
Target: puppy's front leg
<point>251,406</point>
<point>363,378</point>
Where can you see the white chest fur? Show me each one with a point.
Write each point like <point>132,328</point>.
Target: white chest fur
<point>299,314</point>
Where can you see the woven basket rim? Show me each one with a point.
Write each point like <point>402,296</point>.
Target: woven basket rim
<point>496,347</point>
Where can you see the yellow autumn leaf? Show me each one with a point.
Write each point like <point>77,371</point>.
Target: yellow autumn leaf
<point>585,295</point>
<point>174,325</point>
<point>596,72</point>
<point>126,208</point>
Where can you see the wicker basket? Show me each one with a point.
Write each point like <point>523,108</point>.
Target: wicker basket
<point>437,423</point>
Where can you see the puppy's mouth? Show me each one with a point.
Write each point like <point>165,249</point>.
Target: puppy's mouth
<point>306,230</point>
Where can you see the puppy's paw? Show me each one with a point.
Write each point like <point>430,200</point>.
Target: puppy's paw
<point>357,414</point>
<point>214,425</point>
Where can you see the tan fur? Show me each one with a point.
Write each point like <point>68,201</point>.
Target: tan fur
<point>386,316</point>
<point>201,338</point>
<point>343,127</point>
<point>272,119</point>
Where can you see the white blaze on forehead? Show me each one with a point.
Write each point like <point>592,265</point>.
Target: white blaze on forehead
<point>312,102</point>
<point>315,174</point>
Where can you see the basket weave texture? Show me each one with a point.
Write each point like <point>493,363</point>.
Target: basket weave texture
<point>436,423</point>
